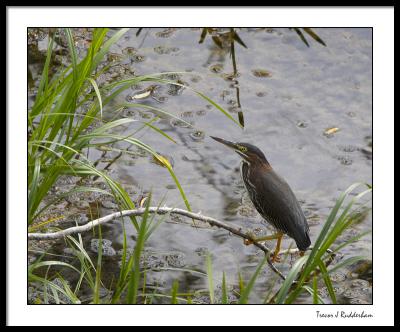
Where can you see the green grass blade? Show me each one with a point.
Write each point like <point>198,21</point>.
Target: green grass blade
<point>218,107</point>
<point>311,292</point>
<point>156,110</point>
<point>133,285</point>
<point>343,222</point>
<point>351,240</point>
<point>45,73</point>
<point>202,96</point>
<point>185,200</point>
<point>98,269</point>
<point>33,188</point>
<point>210,278</point>
<point>161,132</point>
<point>327,281</point>
<point>37,265</point>
<point>240,283</point>
<point>174,292</point>
<point>325,229</point>
<point>99,56</point>
<point>287,284</point>
<point>244,295</point>
<point>72,51</point>
<point>332,229</point>
<point>68,291</point>
<point>224,298</point>
<point>344,263</point>
<point>98,94</point>
<point>315,289</point>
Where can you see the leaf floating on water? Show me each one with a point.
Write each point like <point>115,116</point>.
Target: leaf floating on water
<point>142,95</point>
<point>145,93</point>
<point>261,73</point>
<point>330,131</point>
<point>104,148</point>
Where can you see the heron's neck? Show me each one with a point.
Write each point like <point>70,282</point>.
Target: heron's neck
<point>257,163</point>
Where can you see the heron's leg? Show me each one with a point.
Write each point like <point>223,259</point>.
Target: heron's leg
<point>268,237</point>
<point>275,257</point>
<point>263,238</point>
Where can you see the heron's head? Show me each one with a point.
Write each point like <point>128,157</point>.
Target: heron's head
<point>248,152</point>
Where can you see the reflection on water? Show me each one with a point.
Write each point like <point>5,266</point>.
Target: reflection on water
<point>287,94</point>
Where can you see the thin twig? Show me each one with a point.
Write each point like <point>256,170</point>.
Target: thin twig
<point>159,210</point>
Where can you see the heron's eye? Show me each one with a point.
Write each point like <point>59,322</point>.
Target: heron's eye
<point>242,148</point>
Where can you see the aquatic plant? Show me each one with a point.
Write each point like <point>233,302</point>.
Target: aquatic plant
<point>66,120</point>
<point>304,276</point>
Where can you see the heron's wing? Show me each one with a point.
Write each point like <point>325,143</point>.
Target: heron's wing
<point>275,200</point>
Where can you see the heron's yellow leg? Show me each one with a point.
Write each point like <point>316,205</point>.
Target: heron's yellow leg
<point>275,257</point>
<point>268,237</point>
<point>263,238</point>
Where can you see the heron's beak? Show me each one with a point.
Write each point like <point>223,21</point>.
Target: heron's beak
<point>229,144</point>
<point>225,142</point>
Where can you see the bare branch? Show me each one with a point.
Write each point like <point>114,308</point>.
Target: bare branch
<point>158,210</point>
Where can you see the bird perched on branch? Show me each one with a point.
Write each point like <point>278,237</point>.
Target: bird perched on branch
<point>272,197</point>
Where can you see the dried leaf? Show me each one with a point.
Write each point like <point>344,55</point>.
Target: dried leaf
<point>39,225</point>
<point>144,93</point>
<point>143,201</point>
<point>331,131</point>
<point>162,161</point>
<point>241,118</point>
<point>141,95</point>
<point>261,73</point>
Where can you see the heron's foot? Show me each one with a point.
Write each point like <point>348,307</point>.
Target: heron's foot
<point>247,242</point>
<point>275,258</point>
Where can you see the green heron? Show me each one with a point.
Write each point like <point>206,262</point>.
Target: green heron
<point>272,197</point>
